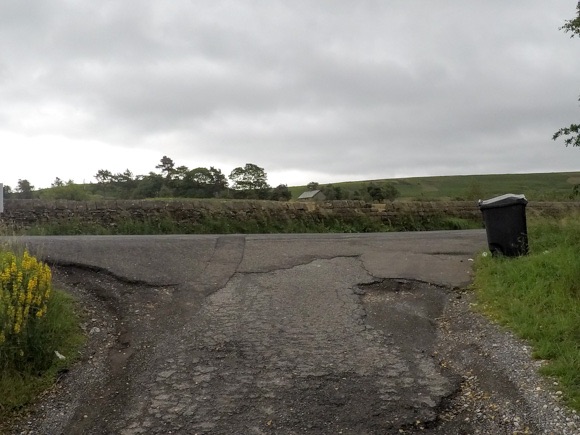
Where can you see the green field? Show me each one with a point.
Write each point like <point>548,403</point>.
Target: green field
<point>537,187</point>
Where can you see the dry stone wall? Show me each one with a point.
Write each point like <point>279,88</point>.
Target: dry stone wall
<point>27,213</point>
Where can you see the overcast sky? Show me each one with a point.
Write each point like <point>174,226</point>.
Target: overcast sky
<point>326,90</point>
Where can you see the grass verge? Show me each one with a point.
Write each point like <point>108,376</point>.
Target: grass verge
<point>538,297</point>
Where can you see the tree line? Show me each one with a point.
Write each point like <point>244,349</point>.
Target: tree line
<point>246,182</point>
<point>171,181</point>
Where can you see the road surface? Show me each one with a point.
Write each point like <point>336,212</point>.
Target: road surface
<point>257,334</point>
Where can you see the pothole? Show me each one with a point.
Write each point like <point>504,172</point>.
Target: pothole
<point>406,310</point>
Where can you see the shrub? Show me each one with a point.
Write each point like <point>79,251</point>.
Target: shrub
<point>70,192</point>
<point>40,332</point>
<point>25,289</point>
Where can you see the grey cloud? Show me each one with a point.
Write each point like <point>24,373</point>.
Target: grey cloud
<point>373,85</point>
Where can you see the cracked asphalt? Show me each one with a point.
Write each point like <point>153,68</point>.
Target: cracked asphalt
<point>256,334</point>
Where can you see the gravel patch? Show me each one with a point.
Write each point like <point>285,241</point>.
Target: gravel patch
<point>501,390</point>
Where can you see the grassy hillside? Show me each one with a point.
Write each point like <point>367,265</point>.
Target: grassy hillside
<point>556,186</point>
<point>536,187</point>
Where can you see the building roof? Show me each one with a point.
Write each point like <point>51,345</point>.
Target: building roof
<point>309,194</point>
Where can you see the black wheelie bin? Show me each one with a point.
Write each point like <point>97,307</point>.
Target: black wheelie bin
<point>505,224</point>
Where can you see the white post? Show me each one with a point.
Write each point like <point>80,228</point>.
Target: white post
<point>1,198</point>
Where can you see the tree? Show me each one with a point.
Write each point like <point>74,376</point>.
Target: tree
<point>376,192</point>
<point>125,183</point>
<point>199,176</point>
<point>250,177</point>
<point>313,185</point>
<point>212,181</point>
<point>149,186</point>
<point>57,183</point>
<point>573,26</point>
<point>281,193</point>
<point>200,183</point>
<point>181,172</point>
<point>124,177</point>
<point>7,191</point>
<point>104,176</point>
<point>167,167</point>
<point>391,192</point>
<point>218,182</point>
<point>193,184</point>
<point>572,132</point>
<point>24,189</point>
<point>332,192</point>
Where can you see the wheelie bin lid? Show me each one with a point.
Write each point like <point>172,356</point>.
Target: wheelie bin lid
<point>503,201</point>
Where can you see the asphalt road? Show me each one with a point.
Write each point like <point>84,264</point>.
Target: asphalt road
<point>255,334</point>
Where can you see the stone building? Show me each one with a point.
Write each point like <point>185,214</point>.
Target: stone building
<point>312,195</point>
